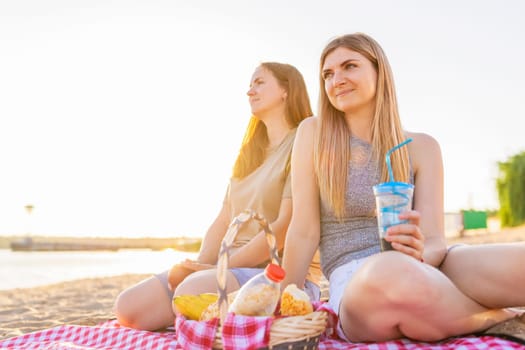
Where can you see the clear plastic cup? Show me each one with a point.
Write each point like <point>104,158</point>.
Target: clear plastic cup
<point>392,199</point>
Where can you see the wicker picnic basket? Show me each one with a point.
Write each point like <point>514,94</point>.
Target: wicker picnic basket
<point>290,332</point>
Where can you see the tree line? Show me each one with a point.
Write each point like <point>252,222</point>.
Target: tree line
<point>511,190</point>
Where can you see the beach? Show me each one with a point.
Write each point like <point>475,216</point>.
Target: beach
<point>83,302</point>
<point>90,301</point>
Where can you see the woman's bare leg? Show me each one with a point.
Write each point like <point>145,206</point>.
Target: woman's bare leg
<point>205,281</point>
<point>491,274</point>
<point>145,306</point>
<point>393,295</point>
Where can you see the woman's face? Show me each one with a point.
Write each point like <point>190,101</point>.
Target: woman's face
<point>349,80</point>
<point>265,93</point>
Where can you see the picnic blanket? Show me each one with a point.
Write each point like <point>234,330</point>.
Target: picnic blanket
<point>239,332</point>
<point>110,335</point>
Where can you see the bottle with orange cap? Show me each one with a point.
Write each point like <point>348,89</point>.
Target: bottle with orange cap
<point>260,295</point>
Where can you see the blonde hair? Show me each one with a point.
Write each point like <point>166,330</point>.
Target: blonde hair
<point>332,153</point>
<point>255,140</point>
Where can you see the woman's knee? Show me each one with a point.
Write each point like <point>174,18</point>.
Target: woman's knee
<point>383,286</point>
<point>144,306</point>
<point>391,278</point>
<point>126,308</point>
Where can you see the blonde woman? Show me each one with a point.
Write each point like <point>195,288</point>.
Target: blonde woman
<point>337,158</point>
<point>260,181</point>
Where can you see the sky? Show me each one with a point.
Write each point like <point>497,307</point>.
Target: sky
<point>124,118</point>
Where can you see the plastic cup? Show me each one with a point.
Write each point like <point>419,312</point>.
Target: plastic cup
<point>392,199</point>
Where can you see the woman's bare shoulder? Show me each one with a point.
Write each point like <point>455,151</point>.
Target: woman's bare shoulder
<point>423,141</point>
<point>309,122</point>
<point>308,126</point>
<point>424,151</point>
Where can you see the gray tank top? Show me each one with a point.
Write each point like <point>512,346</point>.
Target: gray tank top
<point>357,235</point>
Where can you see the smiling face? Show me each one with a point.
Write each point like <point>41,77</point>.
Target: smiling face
<point>350,81</point>
<point>265,93</point>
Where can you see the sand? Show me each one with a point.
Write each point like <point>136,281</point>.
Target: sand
<point>90,301</point>
<point>82,302</point>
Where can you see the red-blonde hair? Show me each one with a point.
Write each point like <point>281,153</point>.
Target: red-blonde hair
<point>255,141</point>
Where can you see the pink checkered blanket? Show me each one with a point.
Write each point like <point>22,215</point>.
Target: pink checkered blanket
<point>239,332</point>
<point>111,336</point>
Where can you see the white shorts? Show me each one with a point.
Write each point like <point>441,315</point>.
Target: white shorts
<point>339,278</point>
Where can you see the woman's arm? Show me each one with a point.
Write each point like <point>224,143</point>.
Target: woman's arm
<point>302,238</point>
<point>427,163</point>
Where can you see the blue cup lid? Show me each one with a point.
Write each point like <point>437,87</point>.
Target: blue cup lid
<point>388,186</point>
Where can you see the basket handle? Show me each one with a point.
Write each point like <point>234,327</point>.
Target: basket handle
<point>224,253</point>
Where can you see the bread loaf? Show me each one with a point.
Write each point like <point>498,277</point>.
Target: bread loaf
<point>295,302</point>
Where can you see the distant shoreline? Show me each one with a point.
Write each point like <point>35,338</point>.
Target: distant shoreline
<point>186,244</point>
<point>192,244</point>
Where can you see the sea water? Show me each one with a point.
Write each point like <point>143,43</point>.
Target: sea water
<point>30,269</point>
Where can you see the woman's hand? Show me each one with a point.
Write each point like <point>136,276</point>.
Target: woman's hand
<point>407,238</point>
<point>196,266</point>
<point>183,269</point>
<point>177,274</point>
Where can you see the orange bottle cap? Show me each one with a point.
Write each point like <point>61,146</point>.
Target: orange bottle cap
<point>275,272</point>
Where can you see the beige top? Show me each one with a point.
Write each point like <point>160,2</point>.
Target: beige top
<point>263,191</point>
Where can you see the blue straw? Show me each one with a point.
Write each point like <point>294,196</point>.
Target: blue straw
<point>390,172</point>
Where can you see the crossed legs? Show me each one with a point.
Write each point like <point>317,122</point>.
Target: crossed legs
<point>393,295</point>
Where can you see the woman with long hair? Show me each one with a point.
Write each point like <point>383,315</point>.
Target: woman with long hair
<point>260,181</point>
<point>411,291</point>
